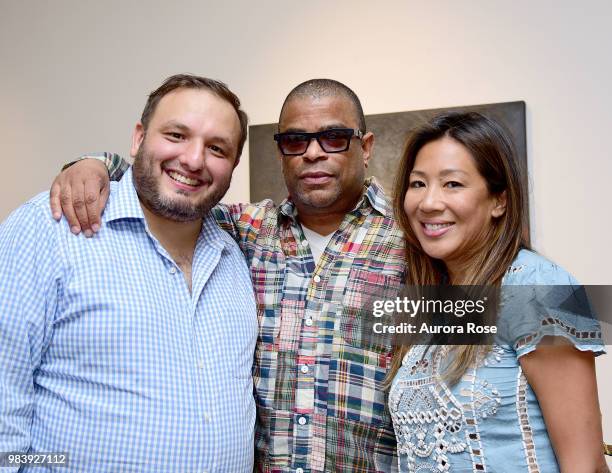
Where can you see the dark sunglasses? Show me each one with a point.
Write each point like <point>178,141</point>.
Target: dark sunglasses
<point>334,140</point>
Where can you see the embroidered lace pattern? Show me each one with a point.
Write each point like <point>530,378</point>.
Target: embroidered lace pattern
<point>551,322</point>
<point>430,423</point>
<point>523,416</point>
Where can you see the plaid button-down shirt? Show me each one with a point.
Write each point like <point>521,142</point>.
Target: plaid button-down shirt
<point>320,402</point>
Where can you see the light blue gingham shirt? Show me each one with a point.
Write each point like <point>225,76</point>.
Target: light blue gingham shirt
<point>106,355</point>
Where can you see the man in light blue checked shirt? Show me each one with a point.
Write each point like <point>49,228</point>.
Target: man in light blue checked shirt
<point>133,351</point>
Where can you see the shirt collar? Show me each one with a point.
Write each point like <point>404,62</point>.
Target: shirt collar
<point>123,204</point>
<point>377,198</point>
<point>212,234</point>
<point>373,197</point>
<point>123,200</point>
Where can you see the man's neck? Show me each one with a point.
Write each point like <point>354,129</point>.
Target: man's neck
<point>327,219</point>
<point>324,221</point>
<point>323,224</point>
<point>178,238</point>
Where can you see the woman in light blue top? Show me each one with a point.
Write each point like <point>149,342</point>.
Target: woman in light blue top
<point>526,402</point>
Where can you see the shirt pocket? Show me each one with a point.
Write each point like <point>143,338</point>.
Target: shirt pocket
<point>363,288</point>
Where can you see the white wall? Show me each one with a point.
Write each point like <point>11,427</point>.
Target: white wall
<point>74,77</point>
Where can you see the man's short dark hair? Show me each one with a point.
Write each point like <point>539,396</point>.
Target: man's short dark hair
<point>327,88</point>
<point>190,81</point>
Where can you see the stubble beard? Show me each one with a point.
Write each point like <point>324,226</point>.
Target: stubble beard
<point>316,198</point>
<point>178,210</point>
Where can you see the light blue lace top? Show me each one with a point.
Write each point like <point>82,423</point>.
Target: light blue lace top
<point>490,420</point>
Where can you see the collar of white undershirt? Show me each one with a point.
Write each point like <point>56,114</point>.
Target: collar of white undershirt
<point>317,242</point>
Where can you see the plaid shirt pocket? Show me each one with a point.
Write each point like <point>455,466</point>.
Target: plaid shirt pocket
<point>363,288</point>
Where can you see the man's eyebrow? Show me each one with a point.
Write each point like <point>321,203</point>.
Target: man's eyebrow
<point>330,126</point>
<point>184,128</point>
<point>294,130</point>
<point>175,124</point>
<point>223,140</point>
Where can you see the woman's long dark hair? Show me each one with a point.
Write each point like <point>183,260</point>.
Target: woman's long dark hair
<point>495,158</point>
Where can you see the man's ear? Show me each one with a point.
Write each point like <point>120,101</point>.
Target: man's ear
<point>137,137</point>
<point>500,205</point>
<point>367,146</point>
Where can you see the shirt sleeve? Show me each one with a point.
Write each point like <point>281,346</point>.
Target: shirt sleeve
<point>226,219</point>
<point>547,301</point>
<point>30,266</point>
<point>242,221</point>
<point>115,164</point>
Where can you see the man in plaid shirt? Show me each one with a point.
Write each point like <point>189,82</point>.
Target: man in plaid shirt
<point>315,260</point>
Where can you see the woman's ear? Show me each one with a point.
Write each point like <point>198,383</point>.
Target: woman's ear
<point>500,205</point>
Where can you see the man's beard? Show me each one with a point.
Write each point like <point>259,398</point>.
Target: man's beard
<point>316,199</point>
<point>179,210</point>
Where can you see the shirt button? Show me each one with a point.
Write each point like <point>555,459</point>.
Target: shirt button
<point>206,417</point>
<point>308,322</point>
<point>302,420</point>
<point>201,364</point>
<point>304,369</point>
<point>299,470</point>
<point>317,278</point>
<point>172,270</point>
<point>304,243</point>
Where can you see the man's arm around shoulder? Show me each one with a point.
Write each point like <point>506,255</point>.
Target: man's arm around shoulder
<point>242,221</point>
